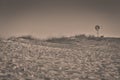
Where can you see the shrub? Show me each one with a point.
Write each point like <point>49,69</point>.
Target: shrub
<point>28,37</point>
<point>13,38</point>
<point>59,40</point>
<point>81,36</point>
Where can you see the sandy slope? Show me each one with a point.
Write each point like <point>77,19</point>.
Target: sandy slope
<point>83,60</point>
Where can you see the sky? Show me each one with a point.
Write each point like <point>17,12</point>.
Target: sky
<point>51,18</point>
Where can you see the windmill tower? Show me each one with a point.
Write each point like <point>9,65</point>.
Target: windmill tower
<point>97,28</point>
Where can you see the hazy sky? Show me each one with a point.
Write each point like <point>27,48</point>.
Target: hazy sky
<point>47,18</point>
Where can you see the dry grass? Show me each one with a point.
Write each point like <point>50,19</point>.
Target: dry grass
<point>82,60</point>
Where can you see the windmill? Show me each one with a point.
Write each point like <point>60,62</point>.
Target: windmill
<point>97,28</point>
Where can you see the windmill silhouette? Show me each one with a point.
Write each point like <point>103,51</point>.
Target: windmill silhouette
<point>97,28</point>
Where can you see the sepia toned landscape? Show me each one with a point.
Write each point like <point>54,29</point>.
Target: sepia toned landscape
<point>59,39</point>
<point>78,57</point>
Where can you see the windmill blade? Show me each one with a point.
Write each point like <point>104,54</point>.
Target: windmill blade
<point>97,27</point>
